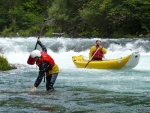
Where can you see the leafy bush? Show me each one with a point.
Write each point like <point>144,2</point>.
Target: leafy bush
<point>49,33</point>
<point>4,65</point>
<point>8,32</point>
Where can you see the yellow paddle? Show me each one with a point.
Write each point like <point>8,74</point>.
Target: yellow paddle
<point>91,58</point>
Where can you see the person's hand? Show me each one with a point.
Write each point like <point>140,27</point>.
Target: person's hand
<point>33,89</point>
<point>100,47</point>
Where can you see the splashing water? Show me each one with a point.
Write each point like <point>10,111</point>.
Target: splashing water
<point>77,90</point>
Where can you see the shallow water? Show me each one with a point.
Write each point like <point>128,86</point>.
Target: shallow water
<point>76,90</point>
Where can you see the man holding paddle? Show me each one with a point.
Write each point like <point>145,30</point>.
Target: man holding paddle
<point>46,65</point>
<point>97,51</point>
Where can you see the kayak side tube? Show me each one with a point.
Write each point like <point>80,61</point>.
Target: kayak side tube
<point>129,61</point>
<point>133,61</point>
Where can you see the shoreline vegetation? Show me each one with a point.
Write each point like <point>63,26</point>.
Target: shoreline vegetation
<point>80,18</point>
<point>4,65</point>
<point>53,35</point>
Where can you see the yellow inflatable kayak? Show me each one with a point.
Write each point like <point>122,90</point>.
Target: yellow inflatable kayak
<point>129,61</point>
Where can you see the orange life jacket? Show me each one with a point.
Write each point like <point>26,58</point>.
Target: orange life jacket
<point>99,54</point>
<point>44,58</point>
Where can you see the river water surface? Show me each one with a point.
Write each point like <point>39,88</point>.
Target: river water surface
<point>76,90</point>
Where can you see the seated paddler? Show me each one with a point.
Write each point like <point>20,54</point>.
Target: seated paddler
<point>97,51</point>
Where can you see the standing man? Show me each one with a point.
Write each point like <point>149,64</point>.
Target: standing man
<point>46,66</point>
<point>97,51</point>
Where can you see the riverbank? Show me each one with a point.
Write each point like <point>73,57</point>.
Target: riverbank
<point>4,65</point>
<point>51,35</point>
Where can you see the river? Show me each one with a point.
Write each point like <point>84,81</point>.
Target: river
<point>76,90</point>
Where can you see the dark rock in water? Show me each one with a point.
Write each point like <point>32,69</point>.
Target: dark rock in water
<point>19,66</point>
<point>13,66</point>
<point>147,36</point>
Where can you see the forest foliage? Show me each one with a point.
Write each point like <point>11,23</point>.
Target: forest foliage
<point>75,18</point>
<point>4,65</point>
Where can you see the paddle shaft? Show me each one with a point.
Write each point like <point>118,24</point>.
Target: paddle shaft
<point>91,58</point>
<point>39,35</point>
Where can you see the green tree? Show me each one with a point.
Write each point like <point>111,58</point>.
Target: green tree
<point>94,14</point>
<point>64,15</point>
<point>138,19</point>
<point>58,13</point>
<point>79,18</point>
<point>4,9</point>
<point>123,16</point>
<point>22,16</point>
<point>26,16</point>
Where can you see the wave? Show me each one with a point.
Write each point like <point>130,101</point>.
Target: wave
<point>77,45</point>
<point>17,50</point>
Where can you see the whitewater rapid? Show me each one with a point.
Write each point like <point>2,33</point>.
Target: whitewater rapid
<point>17,50</point>
<point>77,90</point>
